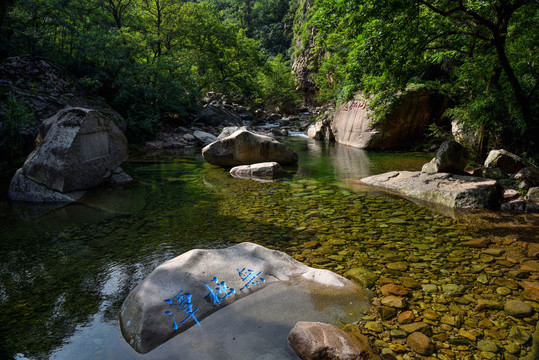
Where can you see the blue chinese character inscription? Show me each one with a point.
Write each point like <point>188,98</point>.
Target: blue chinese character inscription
<point>250,278</point>
<point>220,292</point>
<point>183,302</point>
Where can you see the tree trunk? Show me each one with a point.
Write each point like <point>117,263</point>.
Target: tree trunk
<point>520,97</point>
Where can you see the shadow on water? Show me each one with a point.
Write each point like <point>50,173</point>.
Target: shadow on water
<point>63,267</point>
<point>64,272</point>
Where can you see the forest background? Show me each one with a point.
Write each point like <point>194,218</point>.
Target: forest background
<point>153,60</point>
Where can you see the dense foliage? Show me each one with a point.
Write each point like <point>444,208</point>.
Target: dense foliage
<point>153,59</point>
<point>267,21</point>
<point>481,53</point>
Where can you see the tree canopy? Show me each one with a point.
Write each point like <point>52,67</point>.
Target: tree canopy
<point>153,59</point>
<point>481,53</point>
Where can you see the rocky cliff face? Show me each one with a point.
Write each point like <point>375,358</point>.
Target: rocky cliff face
<point>305,60</point>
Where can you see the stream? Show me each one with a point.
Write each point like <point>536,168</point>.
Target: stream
<point>65,271</point>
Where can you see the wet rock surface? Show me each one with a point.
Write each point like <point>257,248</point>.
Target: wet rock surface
<point>471,304</point>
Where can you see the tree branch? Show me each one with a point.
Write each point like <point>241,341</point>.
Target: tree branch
<point>533,90</point>
<point>461,8</point>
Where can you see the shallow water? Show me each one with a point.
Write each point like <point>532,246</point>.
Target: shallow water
<point>64,272</point>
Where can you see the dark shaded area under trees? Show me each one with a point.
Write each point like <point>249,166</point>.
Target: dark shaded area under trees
<point>152,60</point>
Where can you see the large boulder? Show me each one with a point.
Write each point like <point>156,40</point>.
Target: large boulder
<point>451,157</point>
<point>354,125</point>
<point>464,135</point>
<point>315,340</point>
<point>80,149</point>
<point>275,291</point>
<point>454,191</point>
<point>245,148</point>
<point>508,162</point>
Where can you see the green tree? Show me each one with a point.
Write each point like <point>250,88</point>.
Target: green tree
<point>480,52</point>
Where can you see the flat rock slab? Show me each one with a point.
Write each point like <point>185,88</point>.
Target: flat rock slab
<point>260,171</point>
<point>233,297</point>
<point>454,191</point>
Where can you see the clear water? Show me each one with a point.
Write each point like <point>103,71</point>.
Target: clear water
<point>64,272</point>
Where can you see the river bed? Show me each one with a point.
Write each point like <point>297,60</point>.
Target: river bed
<point>65,271</point>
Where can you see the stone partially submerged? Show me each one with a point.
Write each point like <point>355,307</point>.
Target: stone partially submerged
<point>192,291</point>
<point>79,149</point>
<point>454,191</point>
<point>261,171</point>
<point>315,340</point>
<point>245,148</point>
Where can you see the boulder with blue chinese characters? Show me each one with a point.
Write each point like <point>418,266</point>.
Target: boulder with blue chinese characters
<point>245,298</point>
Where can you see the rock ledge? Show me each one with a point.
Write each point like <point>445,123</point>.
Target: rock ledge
<point>454,191</point>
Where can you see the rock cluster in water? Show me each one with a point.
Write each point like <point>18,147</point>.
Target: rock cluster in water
<point>456,284</point>
<point>489,185</point>
<point>483,303</point>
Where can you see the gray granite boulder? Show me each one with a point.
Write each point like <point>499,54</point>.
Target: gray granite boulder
<point>533,194</point>
<point>454,191</point>
<point>78,149</point>
<point>263,171</point>
<point>245,148</point>
<point>403,125</point>
<point>229,130</point>
<point>204,138</point>
<point>186,293</point>
<point>320,130</point>
<point>530,173</point>
<point>315,340</point>
<point>490,173</point>
<point>508,162</point>
<point>451,157</point>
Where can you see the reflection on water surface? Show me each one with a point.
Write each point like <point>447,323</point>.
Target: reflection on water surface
<point>65,271</point>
